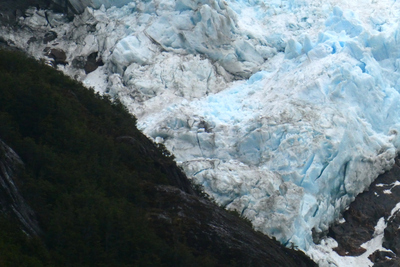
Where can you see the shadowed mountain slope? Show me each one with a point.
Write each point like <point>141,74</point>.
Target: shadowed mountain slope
<point>102,193</point>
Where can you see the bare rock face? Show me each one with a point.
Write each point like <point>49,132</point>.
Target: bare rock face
<point>11,202</point>
<point>203,226</point>
<point>89,63</point>
<point>384,258</point>
<point>364,214</point>
<point>392,235</point>
<point>92,63</point>
<point>58,55</point>
<point>49,36</point>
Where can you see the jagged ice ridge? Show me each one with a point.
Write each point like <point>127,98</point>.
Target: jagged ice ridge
<point>282,110</point>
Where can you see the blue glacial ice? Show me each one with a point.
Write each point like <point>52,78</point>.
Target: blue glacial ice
<point>293,145</point>
<point>281,110</point>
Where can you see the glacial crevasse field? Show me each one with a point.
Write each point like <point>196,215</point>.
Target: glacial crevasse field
<point>281,110</point>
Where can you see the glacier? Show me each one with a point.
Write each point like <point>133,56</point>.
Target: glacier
<point>281,110</point>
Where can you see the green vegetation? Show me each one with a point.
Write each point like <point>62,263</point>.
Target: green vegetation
<point>86,171</point>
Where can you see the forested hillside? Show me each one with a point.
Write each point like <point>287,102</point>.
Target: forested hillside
<point>103,194</point>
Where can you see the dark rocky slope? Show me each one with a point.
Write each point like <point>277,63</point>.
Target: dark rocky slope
<point>364,214</point>
<point>102,193</point>
<point>180,216</point>
<point>11,201</point>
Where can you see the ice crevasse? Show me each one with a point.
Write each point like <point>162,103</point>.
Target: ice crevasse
<point>281,110</point>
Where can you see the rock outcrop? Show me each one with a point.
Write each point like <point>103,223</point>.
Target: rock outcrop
<point>177,215</point>
<point>11,201</point>
<point>364,214</point>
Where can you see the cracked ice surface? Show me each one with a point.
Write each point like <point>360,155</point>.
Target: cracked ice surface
<point>293,145</point>
<point>282,110</point>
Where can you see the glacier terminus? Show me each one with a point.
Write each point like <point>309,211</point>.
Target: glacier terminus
<point>281,110</point>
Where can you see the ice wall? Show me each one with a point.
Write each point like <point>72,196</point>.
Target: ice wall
<point>292,146</point>
<point>206,27</point>
<point>282,110</point>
